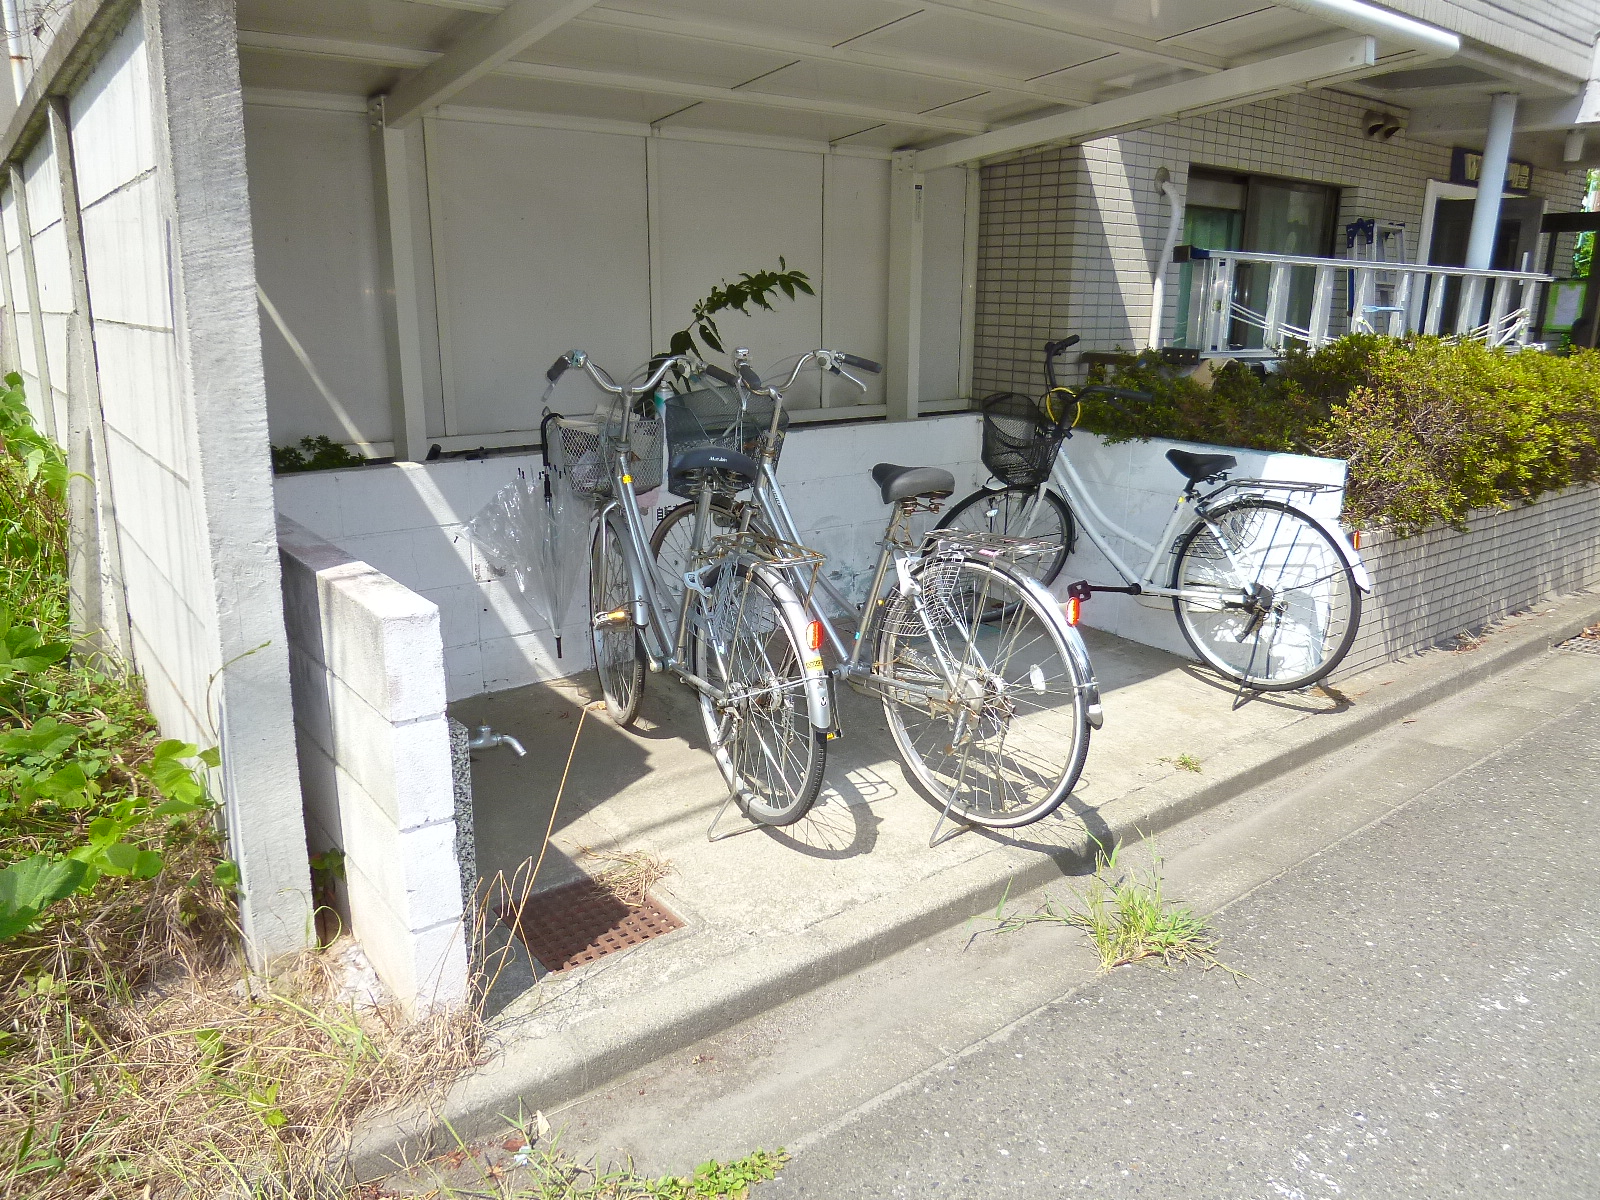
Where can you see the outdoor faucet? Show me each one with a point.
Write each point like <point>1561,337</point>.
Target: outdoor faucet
<point>484,738</point>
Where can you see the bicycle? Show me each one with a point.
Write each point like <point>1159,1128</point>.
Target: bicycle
<point>987,690</point>
<point>1265,592</point>
<point>737,634</point>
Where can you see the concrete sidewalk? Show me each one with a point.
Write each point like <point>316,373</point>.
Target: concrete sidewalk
<point>775,913</point>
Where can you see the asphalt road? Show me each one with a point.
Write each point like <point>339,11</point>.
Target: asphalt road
<point>1418,1016</point>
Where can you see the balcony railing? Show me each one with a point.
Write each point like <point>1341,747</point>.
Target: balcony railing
<point>1248,305</point>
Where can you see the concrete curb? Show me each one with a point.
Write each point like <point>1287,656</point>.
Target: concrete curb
<point>641,1029</point>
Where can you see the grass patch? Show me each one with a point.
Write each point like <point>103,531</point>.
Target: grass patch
<point>1184,762</point>
<point>529,1166</point>
<point>1128,917</point>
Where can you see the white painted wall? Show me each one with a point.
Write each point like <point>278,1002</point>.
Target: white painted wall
<point>408,520</point>
<point>1136,487</point>
<point>534,239</point>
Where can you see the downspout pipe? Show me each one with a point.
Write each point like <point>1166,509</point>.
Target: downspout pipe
<point>19,74</point>
<point>1394,30</point>
<point>1158,280</point>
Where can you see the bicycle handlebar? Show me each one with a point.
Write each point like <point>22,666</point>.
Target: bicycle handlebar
<point>579,359</point>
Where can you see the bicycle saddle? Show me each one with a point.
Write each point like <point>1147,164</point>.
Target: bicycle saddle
<point>710,458</point>
<point>1197,468</point>
<point>901,483</point>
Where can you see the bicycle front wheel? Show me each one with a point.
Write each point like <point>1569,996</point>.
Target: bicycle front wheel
<point>1268,597</point>
<point>750,643</point>
<point>1020,512</point>
<point>618,656</point>
<point>987,705</point>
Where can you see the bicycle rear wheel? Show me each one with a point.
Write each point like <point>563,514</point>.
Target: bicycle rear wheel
<point>673,539</point>
<point>1272,601</point>
<point>618,655</point>
<point>750,642</point>
<point>1012,512</point>
<point>1007,741</point>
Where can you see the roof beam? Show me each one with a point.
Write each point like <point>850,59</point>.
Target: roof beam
<point>1534,116</point>
<point>422,60</point>
<point>492,43</point>
<point>750,38</point>
<point>1268,77</point>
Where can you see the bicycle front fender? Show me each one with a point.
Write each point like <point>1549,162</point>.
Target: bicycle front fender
<point>819,700</point>
<point>611,515</point>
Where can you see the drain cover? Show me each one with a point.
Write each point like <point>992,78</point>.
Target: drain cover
<point>1587,642</point>
<point>580,922</point>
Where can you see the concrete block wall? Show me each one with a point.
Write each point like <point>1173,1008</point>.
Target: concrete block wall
<point>408,520</point>
<point>376,769</point>
<point>1443,582</point>
<point>1069,237</point>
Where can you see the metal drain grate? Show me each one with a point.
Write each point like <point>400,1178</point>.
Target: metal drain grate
<point>1587,642</point>
<point>580,922</point>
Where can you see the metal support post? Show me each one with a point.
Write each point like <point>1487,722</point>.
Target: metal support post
<point>397,275</point>
<point>902,376</point>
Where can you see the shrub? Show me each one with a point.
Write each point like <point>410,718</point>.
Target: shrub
<point>1431,429</point>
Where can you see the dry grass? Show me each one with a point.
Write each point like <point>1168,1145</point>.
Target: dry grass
<point>635,872</point>
<point>141,1060</point>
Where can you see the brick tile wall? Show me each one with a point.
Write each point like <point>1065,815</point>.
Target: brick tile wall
<point>1068,237</point>
<point>1443,582</point>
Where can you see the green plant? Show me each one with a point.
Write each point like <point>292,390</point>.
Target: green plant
<point>1128,917</point>
<point>1184,762</point>
<point>758,289</point>
<point>1431,429</point>
<point>313,454</point>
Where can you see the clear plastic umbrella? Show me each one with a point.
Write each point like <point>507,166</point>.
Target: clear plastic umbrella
<point>536,531</point>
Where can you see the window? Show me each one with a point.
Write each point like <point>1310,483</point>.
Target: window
<point>1225,211</point>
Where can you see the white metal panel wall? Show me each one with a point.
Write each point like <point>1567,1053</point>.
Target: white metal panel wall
<point>727,209</point>
<point>855,255</point>
<point>541,246</point>
<point>944,214</point>
<point>316,237</point>
<point>532,240</point>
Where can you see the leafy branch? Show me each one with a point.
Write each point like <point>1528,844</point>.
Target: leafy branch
<point>758,289</point>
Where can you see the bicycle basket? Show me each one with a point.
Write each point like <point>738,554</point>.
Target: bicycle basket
<point>580,448</point>
<point>1020,442</point>
<point>715,416</point>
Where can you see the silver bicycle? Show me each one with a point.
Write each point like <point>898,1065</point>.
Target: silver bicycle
<point>986,688</point>
<point>730,626</point>
<point>1265,591</point>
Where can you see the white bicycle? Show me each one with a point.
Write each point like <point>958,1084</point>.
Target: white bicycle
<point>1266,592</point>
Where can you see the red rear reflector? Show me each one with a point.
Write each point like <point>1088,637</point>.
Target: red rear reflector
<point>1072,609</point>
<point>1355,539</point>
<point>814,636</point>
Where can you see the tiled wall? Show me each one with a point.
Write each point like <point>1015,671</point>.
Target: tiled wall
<point>1069,237</point>
<point>1443,582</point>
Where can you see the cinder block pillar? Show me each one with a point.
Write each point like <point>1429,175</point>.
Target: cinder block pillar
<point>199,117</point>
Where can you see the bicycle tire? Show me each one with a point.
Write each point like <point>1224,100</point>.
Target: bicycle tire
<point>1057,735</point>
<point>766,656</point>
<point>1005,507</point>
<point>677,528</point>
<point>1310,555</point>
<point>618,654</point>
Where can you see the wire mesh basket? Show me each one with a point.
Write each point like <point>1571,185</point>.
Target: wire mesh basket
<point>580,448</point>
<point>716,416</point>
<point>1020,442</point>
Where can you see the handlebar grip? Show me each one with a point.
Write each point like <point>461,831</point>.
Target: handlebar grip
<point>862,364</point>
<point>751,379</point>
<point>721,374</point>
<point>558,368</point>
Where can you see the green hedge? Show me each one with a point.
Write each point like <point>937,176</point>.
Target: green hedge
<point>1431,429</point>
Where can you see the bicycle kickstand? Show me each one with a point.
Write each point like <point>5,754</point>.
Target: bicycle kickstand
<point>711,831</point>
